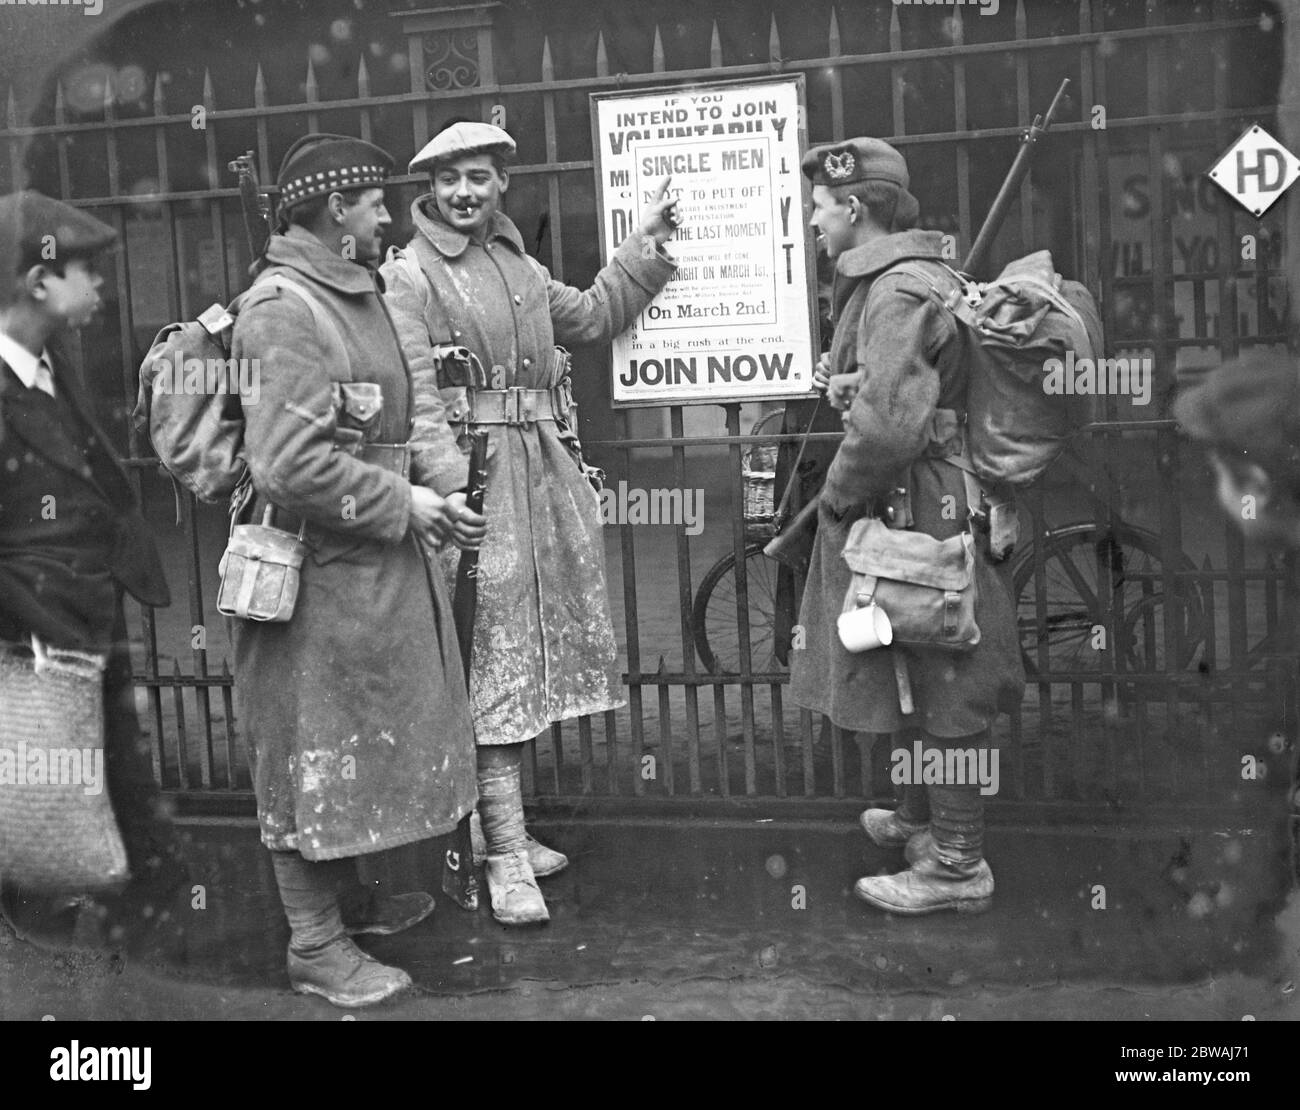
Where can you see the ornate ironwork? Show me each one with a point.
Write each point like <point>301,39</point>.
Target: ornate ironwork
<point>451,59</point>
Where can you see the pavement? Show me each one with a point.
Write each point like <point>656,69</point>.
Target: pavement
<point>672,920</point>
<point>694,917</point>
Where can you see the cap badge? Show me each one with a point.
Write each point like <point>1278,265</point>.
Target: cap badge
<point>839,166</point>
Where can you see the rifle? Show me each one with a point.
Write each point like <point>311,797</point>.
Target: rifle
<point>458,880</point>
<point>792,544</point>
<point>257,223</point>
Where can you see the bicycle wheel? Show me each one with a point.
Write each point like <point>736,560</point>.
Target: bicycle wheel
<point>715,617</point>
<point>1083,565</point>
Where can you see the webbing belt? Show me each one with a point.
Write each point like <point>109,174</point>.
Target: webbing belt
<point>515,406</point>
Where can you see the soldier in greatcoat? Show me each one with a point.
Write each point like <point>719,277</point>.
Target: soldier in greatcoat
<point>544,647</point>
<point>901,352</point>
<point>355,709</point>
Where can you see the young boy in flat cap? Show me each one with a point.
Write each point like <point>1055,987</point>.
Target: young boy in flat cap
<point>898,356</point>
<point>544,647</point>
<point>354,709</point>
<point>72,540</point>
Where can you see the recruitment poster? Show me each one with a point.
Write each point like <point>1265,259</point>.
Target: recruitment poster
<point>736,323</point>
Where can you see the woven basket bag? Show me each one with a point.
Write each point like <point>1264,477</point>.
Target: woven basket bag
<point>59,833</point>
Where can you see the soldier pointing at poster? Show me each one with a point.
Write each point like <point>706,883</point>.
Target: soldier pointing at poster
<point>544,646</point>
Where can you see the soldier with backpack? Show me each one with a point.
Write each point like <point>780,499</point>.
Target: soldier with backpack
<point>354,707</point>
<point>894,523</point>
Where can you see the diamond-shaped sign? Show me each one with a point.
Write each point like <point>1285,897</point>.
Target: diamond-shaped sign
<point>1256,170</point>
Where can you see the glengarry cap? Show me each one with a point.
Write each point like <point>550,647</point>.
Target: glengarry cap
<point>317,165</point>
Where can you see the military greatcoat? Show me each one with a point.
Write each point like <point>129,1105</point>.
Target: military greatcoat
<point>544,647</point>
<point>355,709</point>
<point>908,354</point>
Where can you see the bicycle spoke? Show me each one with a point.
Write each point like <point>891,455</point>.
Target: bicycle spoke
<point>1092,577</point>
<point>722,630</point>
<point>1085,592</point>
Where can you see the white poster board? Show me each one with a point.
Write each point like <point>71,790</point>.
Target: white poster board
<point>738,320</point>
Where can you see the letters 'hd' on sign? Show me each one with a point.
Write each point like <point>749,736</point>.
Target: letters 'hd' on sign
<point>1256,170</point>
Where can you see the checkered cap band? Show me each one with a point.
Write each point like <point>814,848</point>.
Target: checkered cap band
<point>329,181</point>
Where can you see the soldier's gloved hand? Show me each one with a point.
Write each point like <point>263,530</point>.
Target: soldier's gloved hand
<point>661,218</point>
<point>842,389</point>
<point>430,517</point>
<point>468,527</point>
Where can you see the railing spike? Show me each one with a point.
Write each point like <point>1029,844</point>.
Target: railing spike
<point>209,99</point>
<point>310,87</point>
<point>159,99</point>
<point>259,88</point>
<point>657,56</point>
<point>1021,25</point>
<point>602,56</point>
<point>11,110</point>
<point>774,44</point>
<point>715,48</point>
<point>958,28</point>
<point>108,96</point>
<point>833,37</point>
<point>895,32</point>
<point>548,64</point>
<point>363,78</point>
<point>60,105</point>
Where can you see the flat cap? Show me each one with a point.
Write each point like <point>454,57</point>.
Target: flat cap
<point>1250,405</point>
<point>853,161</point>
<point>33,225</point>
<point>317,165</point>
<point>460,139</point>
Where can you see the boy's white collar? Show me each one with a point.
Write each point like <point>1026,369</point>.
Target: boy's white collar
<point>21,360</point>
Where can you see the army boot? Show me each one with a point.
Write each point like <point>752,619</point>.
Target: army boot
<point>951,876</point>
<point>919,845</point>
<point>516,897</point>
<point>888,830</point>
<point>893,828</point>
<point>322,959</point>
<point>512,886</point>
<point>344,975</point>
<point>383,915</point>
<point>543,860</point>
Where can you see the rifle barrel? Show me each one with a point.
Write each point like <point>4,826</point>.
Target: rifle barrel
<point>785,542</point>
<point>978,255</point>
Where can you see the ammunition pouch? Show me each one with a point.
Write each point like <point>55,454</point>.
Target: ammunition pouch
<point>357,408</point>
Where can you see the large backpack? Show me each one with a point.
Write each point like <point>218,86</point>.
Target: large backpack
<point>1028,316</point>
<point>199,433</point>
